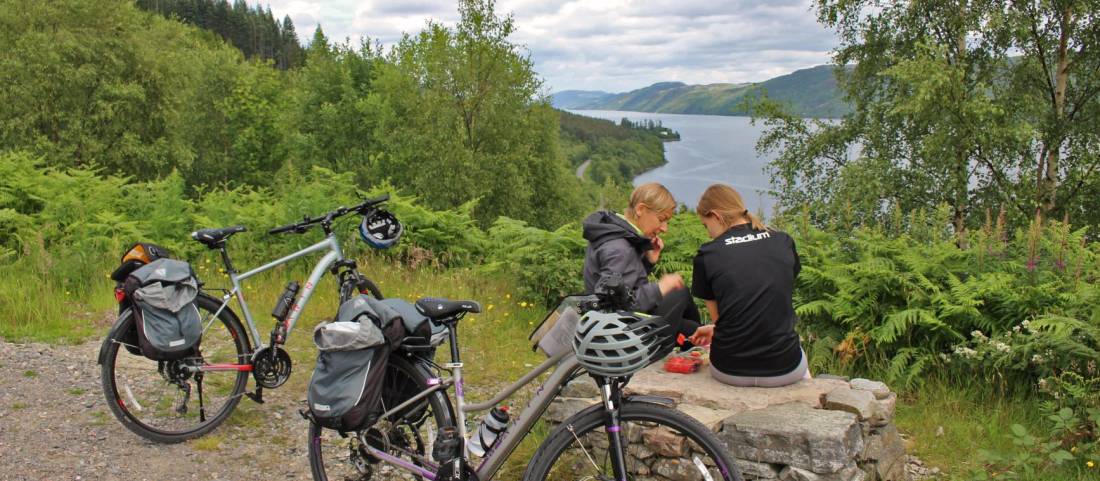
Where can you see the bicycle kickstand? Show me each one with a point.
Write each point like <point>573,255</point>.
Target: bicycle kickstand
<point>257,396</point>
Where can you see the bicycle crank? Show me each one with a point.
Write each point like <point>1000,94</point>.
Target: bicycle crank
<point>271,367</point>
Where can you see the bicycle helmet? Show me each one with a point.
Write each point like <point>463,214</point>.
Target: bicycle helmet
<point>380,229</point>
<point>617,344</point>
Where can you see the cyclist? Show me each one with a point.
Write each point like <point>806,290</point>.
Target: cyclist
<point>630,244</point>
<point>745,275</point>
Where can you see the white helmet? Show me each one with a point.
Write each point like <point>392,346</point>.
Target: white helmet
<point>618,344</point>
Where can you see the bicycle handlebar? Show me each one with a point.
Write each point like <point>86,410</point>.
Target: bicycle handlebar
<point>307,222</point>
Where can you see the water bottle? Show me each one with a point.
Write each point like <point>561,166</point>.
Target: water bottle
<point>282,309</point>
<point>487,433</point>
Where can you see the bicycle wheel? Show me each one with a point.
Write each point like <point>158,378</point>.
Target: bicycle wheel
<point>408,434</point>
<point>661,444</point>
<point>159,400</point>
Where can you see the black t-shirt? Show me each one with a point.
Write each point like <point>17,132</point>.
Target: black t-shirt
<point>751,274</point>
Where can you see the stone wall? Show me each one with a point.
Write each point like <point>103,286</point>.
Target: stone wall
<point>824,429</point>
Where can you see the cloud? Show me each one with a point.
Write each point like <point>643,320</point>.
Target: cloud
<point>613,45</point>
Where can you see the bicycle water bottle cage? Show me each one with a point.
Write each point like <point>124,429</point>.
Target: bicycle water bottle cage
<point>437,308</point>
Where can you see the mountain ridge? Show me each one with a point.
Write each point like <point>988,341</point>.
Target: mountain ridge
<point>810,92</point>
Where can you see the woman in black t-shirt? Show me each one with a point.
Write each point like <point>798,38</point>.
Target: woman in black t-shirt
<point>745,275</point>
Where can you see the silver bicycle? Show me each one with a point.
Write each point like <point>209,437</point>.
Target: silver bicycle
<point>615,440</point>
<point>172,401</point>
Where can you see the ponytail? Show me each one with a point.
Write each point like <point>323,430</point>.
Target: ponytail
<point>725,201</point>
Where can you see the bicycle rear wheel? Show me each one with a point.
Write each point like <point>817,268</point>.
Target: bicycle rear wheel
<point>661,444</point>
<point>408,435</point>
<point>159,400</point>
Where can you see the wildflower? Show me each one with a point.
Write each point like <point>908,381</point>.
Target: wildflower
<point>1090,464</point>
<point>507,296</point>
<point>490,307</point>
<point>1015,328</point>
<point>522,304</point>
<point>977,335</point>
<point>1037,359</point>
<point>1000,346</point>
<point>1073,449</point>
<point>1043,383</point>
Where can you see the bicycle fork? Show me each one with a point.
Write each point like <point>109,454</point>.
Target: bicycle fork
<point>611,391</point>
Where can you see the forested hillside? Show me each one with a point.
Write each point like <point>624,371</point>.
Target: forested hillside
<point>809,92</point>
<point>253,30</point>
<point>112,87</point>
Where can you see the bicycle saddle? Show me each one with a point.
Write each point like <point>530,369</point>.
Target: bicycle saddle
<point>436,308</point>
<point>213,238</point>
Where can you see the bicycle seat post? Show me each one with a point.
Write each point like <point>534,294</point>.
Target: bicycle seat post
<point>225,259</point>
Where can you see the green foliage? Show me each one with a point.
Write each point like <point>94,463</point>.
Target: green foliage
<point>900,299</point>
<point>547,264</point>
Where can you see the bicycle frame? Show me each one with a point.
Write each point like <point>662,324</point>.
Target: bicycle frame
<point>334,254</point>
<point>566,366</point>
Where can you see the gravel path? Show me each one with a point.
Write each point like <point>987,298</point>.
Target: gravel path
<point>54,424</point>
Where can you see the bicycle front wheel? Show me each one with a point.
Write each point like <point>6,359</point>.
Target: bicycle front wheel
<point>160,400</point>
<point>660,444</point>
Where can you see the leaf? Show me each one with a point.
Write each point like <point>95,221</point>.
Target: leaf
<point>1018,430</point>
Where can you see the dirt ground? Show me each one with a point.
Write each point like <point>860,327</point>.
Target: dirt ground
<point>54,424</point>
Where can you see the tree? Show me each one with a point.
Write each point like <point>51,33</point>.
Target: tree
<point>464,118</point>
<point>944,111</point>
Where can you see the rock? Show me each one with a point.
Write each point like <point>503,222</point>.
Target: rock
<point>699,389</point>
<point>711,418</point>
<point>860,403</point>
<point>879,389</point>
<point>884,410</point>
<point>832,376</point>
<point>564,408</point>
<point>754,470</point>
<point>582,387</point>
<point>639,451</point>
<point>886,450</point>
<point>664,441</point>
<point>677,469</point>
<point>794,434</point>
<point>850,473</point>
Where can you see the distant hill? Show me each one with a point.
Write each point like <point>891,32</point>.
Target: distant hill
<point>572,99</point>
<point>809,92</point>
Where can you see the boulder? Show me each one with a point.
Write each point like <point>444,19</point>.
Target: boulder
<point>860,403</point>
<point>581,387</point>
<point>699,389</point>
<point>563,408</point>
<point>879,389</point>
<point>794,434</point>
<point>884,410</point>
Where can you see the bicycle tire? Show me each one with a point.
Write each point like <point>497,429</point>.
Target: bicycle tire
<point>141,397</point>
<point>349,288</point>
<point>404,378</point>
<point>573,450</point>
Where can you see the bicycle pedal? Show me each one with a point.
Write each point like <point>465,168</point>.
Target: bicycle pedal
<point>257,396</point>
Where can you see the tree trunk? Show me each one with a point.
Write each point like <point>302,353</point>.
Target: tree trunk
<point>1048,186</point>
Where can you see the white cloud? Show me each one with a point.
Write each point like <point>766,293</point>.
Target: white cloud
<point>613,45</point>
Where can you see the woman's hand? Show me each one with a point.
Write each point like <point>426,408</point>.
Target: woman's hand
<point>669,283</point>
<point>655,253</point>
<point>703,335</point>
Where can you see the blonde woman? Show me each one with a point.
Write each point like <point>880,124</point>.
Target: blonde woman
<point>746,275</point>
<point>630,244</point>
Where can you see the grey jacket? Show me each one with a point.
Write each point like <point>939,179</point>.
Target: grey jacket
<point>614,246</point>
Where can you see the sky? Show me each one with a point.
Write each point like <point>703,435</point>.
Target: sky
<point>609,45</point>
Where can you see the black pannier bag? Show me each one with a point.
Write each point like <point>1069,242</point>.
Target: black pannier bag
<point>167,321</point>
<point>346,386</point>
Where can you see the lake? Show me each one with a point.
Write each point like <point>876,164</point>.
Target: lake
<point>712,148</point>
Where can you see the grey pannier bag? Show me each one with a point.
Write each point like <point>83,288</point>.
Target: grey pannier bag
<point>168,323</point>
<point>346,386</point>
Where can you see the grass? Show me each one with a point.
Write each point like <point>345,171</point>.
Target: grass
<point>495,351</point>
<point>29,374</point>
<point>947,424</point>
<point>210,442</point>
<point>19,406</point>
<point>76,391</point>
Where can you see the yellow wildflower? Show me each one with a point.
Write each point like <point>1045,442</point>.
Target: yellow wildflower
<point>507,296</point>
<point>490,307</point>
<point>1091,464</point>
<point>522,304</point>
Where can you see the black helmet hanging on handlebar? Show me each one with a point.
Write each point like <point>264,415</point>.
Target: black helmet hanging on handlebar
<point>380,229</point>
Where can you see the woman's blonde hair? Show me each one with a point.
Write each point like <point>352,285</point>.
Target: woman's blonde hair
<point>725,201</point>
<point>655,196</point>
